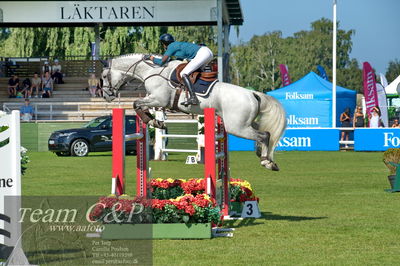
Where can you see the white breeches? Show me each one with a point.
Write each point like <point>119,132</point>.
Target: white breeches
<point>202,58</point>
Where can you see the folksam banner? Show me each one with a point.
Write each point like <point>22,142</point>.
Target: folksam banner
<point>370,93</point>
<point>326,139</point>
<point>322,72</point>
<point>284,75</point>
<point>376,139</point>
<point>308,102</point>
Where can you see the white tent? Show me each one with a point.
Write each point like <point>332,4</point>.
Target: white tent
<point>392,87</point>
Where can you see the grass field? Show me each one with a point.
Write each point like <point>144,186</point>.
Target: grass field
<point>321,208</point>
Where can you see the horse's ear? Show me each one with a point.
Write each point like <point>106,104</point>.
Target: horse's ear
<point>104,62</point>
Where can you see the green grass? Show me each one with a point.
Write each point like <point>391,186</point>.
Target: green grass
<point>321,208</point>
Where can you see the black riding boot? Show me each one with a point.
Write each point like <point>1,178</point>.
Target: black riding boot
<point>193,99</point>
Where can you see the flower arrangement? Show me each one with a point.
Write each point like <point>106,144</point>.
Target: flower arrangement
<point>186,209</point>
<point>121,210</point>
<point>391,155</point>
<point>163,189</point>
<point>241,191</point>
<point>173,201</point>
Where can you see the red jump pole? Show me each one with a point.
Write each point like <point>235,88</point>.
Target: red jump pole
<point>209,151</point>
<point>118,151</point>
<point>223,166</point>
<point>141,160</point>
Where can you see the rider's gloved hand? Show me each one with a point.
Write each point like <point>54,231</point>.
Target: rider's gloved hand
<point>146,57</point>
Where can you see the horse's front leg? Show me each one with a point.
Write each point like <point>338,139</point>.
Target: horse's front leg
<point>141,107</point>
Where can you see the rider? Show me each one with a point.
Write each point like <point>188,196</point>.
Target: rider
<point>199,56</point>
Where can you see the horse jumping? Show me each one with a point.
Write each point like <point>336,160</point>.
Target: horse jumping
<point>246,114</point>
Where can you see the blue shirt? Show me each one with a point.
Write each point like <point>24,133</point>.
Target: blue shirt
<point>181,50</point>
<point>26,109</point>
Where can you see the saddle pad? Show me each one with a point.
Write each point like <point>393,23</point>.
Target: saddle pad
<point>201,87</point>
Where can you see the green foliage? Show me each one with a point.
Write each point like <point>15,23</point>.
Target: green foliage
<point>164,194</point>
<point>60,42</point>
<point>6,141</point>
<point>392,112</point>
<point>391,155</point>
<point>24,162</point>
<point>393,70</point>
<point>256,63</point>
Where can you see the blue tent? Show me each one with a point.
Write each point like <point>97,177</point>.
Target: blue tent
<point>308,101</point>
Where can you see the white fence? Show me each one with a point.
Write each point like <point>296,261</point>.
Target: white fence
<point>10,190</point>
<point>77,111</point>
<point>160,150</point>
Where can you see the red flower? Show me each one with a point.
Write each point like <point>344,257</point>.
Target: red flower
<point>190,210</point>
<point>242,198</point>
<point>248,192</point>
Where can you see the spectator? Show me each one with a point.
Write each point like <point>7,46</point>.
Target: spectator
<point>93,83</point>
<point>345,120</point>
<point>36,85</point>
<point>47,85</point>
<point>375,118</point>
<point>13,86</point>
<point>99,88</point>
<point>26,88</point>
<point>396,123</point>
<point>358,119</point>
<point>46,68</point>
<point>26,111</point>
<point>56,74</point>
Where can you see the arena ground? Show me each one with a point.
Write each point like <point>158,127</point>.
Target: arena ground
<point>321,208</point>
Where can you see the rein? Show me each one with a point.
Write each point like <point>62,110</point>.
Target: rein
<point>134,66</point>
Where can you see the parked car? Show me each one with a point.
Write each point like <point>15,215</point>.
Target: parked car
<point>95,136</point>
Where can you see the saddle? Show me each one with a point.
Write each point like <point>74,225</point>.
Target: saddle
<point>206,76</point>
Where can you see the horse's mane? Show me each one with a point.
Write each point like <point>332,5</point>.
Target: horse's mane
<point>129,55</point>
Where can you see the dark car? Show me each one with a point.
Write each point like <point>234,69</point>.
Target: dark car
<point>94,136</point>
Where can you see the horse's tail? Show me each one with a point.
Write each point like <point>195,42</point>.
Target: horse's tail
<point>271,119</point>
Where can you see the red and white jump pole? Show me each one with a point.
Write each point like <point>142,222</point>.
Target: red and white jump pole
<point>217,182</point>
<point>118,154</point>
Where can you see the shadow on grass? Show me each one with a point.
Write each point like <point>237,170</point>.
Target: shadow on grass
<point>42,253</point>
<point>268,216</point>
<point>271,216</point>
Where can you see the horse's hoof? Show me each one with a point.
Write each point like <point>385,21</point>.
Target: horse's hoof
<point>274,167</point>
<point>270,165</point>
<point>108,95</point>
<point>157,124</point>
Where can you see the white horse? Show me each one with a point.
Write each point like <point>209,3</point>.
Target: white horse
<point>246,114</point>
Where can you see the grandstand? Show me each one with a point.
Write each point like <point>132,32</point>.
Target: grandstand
<point>70,100</point>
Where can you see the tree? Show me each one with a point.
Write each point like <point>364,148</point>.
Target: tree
<point>393,70</point>
<point>256,63</point>
<point>61,42</point>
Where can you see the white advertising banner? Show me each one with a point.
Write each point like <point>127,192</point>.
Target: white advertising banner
<point>107,11</point>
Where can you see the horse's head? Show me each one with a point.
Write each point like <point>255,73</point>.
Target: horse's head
<point>110,87</point>
<point>117,72</point>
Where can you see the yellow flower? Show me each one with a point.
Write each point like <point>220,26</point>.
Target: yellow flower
<point>159,179</point>
<point>170,180</point>
<point>245,184</point>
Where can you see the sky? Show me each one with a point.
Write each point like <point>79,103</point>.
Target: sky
<point>376,24</point>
